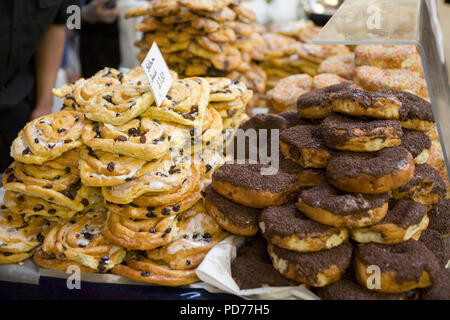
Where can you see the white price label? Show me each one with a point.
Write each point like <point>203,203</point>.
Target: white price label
<point>158,73</point>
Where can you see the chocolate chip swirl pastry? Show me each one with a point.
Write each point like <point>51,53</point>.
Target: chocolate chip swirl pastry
<point>142,138</point>
<point>48,137</point>
<point>18,238</point>
<point>109,96</point>
<point>185,103</point>
<point>80,240</point>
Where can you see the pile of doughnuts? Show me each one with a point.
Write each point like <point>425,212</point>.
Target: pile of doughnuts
<point>363,197</point>
<point>204,38</point>
<point>113,182</point>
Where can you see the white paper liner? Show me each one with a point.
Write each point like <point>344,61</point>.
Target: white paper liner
<point>215,271</point>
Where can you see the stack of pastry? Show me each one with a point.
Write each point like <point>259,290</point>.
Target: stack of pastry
<point>119,178</point>
<point>204,38</point>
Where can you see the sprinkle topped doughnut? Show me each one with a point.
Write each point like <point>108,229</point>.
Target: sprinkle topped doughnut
<point>286,227</point>
<point>244,184</point>
<point>252,267</point>
<point>440,217</point>
<point>373,78</point>
<point>327,79</point>
<point>316,104</point>
<point>342,65</point>
<point>329,206</point>
<point>316,269</point>
<point>388,57</point>
<point>405,219</point>
<point>384,104</point>
<point>352,134</point>
<point>234,218</point>
<point>404,266</point>
<point>417,143</point>
<point>426,186</point>
<point>371,172</point>
<point>304,145</point>
<point>285,94</point>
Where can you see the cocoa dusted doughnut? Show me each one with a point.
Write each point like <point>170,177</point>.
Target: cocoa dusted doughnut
<point>316,269</point>
<point>307,177</point>
<point>233,217</point>
<point>244,184</point>
<point>286,227</point>
<point>327,205</point>
<point>344,133</point>
<point>438,244</point>
<point>304,145</point>
<point>426,186</point>
<point>252,267</point>
<point>371,172</point>
<point>382,104</point>
<point>440,217</point>
<point>418,144</point>
<point>420,114</point>
<point>405,219</point>
<point>316,104</point>
<point>404,266</point>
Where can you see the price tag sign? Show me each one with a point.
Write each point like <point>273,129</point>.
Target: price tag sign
<point>158,73</point>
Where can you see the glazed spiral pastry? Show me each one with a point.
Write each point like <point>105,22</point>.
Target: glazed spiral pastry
<point>60,187</point>
<point>81,240</point>
<point>141,138</point>
<point>18,238</point>
<point>48,137</point>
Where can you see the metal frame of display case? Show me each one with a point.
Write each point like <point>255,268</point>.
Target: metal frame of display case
<point>399,22</point>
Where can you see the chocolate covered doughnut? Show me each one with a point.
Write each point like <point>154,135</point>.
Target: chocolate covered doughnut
<point>426,186</point>
<point>233,217</point>
<point>420,114</point>
<point>418,144</point>
<point>330,206</point>
<point>439,290</point>
<point>404,266</point>
<point>307,177</point>
<point>286,227</point>
<point>316,269</point>
<point>304,145</point>
<point>244,184</point>
<point>440,217</point>
<point>344,133</point>
<point>382,104</point>
<point>405,219</point>
<point>252,267</point>
<point>316,104</point>
<point>371,172</point>
<point>438,244</point>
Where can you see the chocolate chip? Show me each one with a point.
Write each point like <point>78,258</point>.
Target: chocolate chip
<point>134,132</point>
<point>77,118</point>
<point>21,198</point>
<point>67,169</point>
<point>122,138</point>
<point>151,214</point>
<point>168,230</point>
<point>85,202</point>
<point>48,186</point>
<point>192,132</point>
<point>110,166</point>
<point>38,207</point>
<point>188,262</point>
<point>68,141</point>
<point>208,167</point>
<point>176,208</point>
<point>52,211</point>
<point>92,153</point>
<point>61,130</point>
<point>62,256</point>
<point>188,116</point>
<point>143,139</point>
<point>108,98</point>
<point>68,194</point>
<point>40,237</point>
<point>88,236</point>
<point>36,140</point>
<point>145,274</point>
<point>165,211</point>
<point>26,151</point>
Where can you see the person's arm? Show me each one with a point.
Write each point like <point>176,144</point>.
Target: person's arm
<point>48,61</point>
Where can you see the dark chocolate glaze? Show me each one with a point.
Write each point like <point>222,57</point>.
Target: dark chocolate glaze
<point>252,267</point>
<point>248,176</point>
<point>287,220</point>
<point>425,175</point>
<point>404,213</point>
<point>367,99</point>
<point>408,259</point>
<point>440,217</point>
<point>377,164</point>
<point>311,263</point>
<point>415,141</point>
<point>438,244</point>
<point>301,137</point>
<point>337,130</point>
<point>319,97</point>
<point>239,215</point>
<point>338,202</point>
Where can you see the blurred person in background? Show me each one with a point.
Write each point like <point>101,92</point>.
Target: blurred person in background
<point>32,35</point>
<point>99,36</point>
